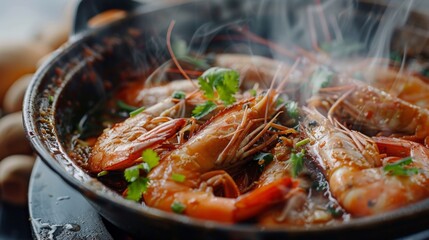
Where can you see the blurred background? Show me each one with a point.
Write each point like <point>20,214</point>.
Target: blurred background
<point>29,31</point>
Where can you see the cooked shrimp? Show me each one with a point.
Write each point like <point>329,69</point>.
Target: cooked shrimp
<point>364,106</point>
<point>399,84</point>
<point>257,69</point>
<point>223,143</point>
<point>353,166</point>
<point>306,204</point>
<point>121,146</point>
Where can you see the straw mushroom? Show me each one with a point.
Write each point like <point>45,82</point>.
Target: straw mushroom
<point>15,172</point>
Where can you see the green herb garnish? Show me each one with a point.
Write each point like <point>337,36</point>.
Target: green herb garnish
<point>203,109</point>
<point>125,106</point>
<point>179,95</point>
<point>151,158</point>
<point>321,78</point>
<point>178,177</point>
<point>179,47</point>
<point>216,83</point>
<point>297,163</point>
<point>263,159</point>
<point>222,80</point>
<point>132,173</point>
<point>302,142</point>
<point>137,188</point>
<point>137,111</point>
<point>400,168</point>
<point>51,99</point>
<point>102,173</point>
<point>292,109</point>
<point>178,207</point>
<point>336,212</point>
<point>252,92</point>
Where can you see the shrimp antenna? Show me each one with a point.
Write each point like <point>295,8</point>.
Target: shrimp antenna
<point>173,57</point>
<point>337,103</point>
<point>267,106</point>
<point>289,72</point>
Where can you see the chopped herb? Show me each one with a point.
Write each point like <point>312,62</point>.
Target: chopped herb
<point>197,62</point>
<point>151,158</point>
<point>399,168</point>
<point>179,47</point>
<point>203,109</point>
<point>297,163</point>
<point>321,78</point>
<point>263,159</point>
<point>51,99</point>
<point>132,173</point>
<point>137,111</point>
<point>224,81</point>
<point>125,106</point>
<point>320,185</point>
<point>252,92</point>
<point>178,177</point>
<point>292,109</point>
<point>137,188</point>
<point>336,212</point>
<point>302,142</point>
<point>178,207</point>
<point>179,95</point>
<point>280,101</point>
<point>102,173</point>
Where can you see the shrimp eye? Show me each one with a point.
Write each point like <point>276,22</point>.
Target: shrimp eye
<point>313,124</point>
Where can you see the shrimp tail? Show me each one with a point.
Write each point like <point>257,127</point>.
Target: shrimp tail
<point>250,204</point>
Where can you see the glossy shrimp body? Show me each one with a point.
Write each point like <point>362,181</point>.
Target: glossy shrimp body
<point>121,146</point>
<point>363,106</point>
<point>402,85</point>
<point>306,204</point>
<point>354,168</point>
<point>202,160</point>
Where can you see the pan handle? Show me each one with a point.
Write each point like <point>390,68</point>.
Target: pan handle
<point>87,9</point>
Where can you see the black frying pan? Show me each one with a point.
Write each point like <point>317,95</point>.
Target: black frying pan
<point>86,71</point>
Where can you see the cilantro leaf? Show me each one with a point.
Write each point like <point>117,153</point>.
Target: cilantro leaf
<point>321,78</point>
<point>132,173</point>
<point>297,163</point>
<point>263,159</point>
<point>203,109</point>
<point>207,88</point>
<point>151,158</point>
<point>178,207</point>
<point>225,81</point>
<point>399,168</point>
<point>178,177</point>
<point>137,188</point>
